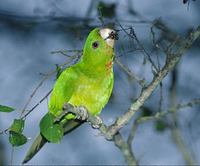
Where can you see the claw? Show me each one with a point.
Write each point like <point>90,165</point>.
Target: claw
<point>99,122</point>
<point>83,114</point>
<point>65,106</point>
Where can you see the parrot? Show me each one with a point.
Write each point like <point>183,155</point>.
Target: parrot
<point>88,83</point>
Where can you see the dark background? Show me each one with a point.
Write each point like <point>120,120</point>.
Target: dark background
<point>31,29</point>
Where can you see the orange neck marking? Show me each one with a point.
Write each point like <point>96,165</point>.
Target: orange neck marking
<point>108,67</point>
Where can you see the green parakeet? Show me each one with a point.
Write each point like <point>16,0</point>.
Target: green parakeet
<point>88,83</point>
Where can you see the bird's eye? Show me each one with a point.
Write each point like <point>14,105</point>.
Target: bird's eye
<point>95,44</point>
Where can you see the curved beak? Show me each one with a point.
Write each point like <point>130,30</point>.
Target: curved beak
<point>109,35</point>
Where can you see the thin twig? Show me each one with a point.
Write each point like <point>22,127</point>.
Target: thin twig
<point>132,133</point>
<point>133,35</point>
<point>125,149</point>
<point>161,97</point>
<point>39,85</point>
<point>12,155</point>
<point>64,52</point>
<point>175,132</point>
<point>129,72</point>
<point>162,114</point>
<point>36,105</point>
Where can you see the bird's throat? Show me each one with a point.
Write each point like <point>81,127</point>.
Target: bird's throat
<point>103,70</point>
<point>109,67</point>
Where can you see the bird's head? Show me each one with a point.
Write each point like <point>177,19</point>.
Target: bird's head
<point>99,47</point>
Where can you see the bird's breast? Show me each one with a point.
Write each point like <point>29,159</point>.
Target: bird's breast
<point>93,93</point>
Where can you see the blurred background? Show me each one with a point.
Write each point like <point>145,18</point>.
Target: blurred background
<point>31,29</point>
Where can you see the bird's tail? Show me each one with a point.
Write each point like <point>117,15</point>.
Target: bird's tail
<point>40,140</point>
<point>35,147</point>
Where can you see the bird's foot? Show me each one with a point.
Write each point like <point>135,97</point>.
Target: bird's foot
<point>67,106</point>
<point>98,122</point>
<point>83,114</point>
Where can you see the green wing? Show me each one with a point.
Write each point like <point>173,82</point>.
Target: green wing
<point>63,90</point>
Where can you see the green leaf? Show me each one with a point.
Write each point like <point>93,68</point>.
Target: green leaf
<point>17,126</point>
<point>46,121</point>
<point>17,139</point>
<point>52,132</point>
<point>4,108</point>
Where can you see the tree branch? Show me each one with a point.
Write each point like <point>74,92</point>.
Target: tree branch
<point>175,131</point>
<point>130,73</point>
<point>110,131</point>
<point>95,121</point>
<point>145,94</point>
<point>125,148</point>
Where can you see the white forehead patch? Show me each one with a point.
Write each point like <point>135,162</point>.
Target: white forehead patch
<point>105,34</point>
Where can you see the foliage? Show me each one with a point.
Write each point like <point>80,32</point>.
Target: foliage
<point>51,131</point>
<point>16,138</point>
<point>4,108</point>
